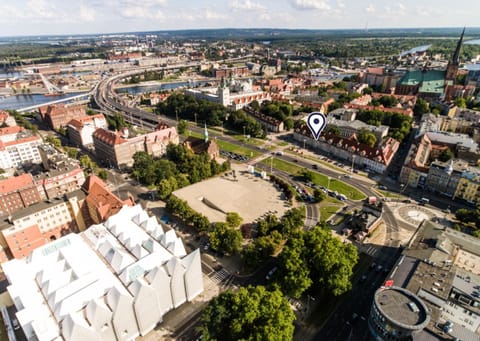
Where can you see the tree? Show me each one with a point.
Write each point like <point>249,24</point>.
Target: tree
<point>388,101</point>
<point>446,155</point>
<point>460,102</point>
<point>252,313</point>
<point>71,152</point>
<point>334,130</point>
<point>294,274</point>
<point>87,163</point>
<point>233,219</point>
<point>225,239</point>
<point>367,137</point>
<point>55,141</point>
<point>182,126</point>
<point>102,174</point>
<point>330,261</point>
<point>421,107</point>
<point>318,195</point>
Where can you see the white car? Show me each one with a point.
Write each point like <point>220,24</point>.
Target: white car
<point>271,272</point>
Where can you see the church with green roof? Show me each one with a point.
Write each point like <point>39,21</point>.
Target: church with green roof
<point>430,83</point>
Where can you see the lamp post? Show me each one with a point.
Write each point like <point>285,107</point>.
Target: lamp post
<point>176,113</point>
<point>304,140</point>
<point>353,162</point>
<point>328,185</point>
<point>195,114</point>
<point>244,136</point>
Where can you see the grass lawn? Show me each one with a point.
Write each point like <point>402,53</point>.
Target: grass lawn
<point>228,147</point>
<point>326,212</point>
<point>387,193</point>
<point>319,179</point>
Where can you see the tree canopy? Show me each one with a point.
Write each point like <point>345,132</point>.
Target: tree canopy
<point>400,125</point>
<point>225,239</point>
<point>316,258</point>
<point>181,168</point>
<point>252,313</point>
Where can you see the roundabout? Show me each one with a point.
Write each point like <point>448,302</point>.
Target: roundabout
<point>415,214</point>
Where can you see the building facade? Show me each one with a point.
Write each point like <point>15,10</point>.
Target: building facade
<point>117,149</point>
<point>80,130</point>
<point>58,115</point>
<point>114,281</point>
<point>18,147</point>
<point>375,159</point>
<point>17,193</point>
<point>37,225</point>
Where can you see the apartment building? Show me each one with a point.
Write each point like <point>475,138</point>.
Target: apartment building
<point>80,130</point>
<point>17,193</point>
<point>375,159</point>
<point>58,115</point>
<point>37,225</point>
<point>117,148</point>
<point>18,147</point>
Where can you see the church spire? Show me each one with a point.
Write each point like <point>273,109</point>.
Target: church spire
<point>452,66</point>
<point>456,55</point>
<point>205,133</point>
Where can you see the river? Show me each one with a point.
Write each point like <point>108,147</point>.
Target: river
<point>15,102</point>
<point>139,89</point>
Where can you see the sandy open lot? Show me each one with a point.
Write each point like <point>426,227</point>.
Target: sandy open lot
<point>250,196</point>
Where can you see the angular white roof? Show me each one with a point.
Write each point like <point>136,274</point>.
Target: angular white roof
<point>91,270</point>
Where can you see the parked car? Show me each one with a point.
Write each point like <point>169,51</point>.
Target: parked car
<point>271,273</point>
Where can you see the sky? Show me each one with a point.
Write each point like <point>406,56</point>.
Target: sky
<point>52,17</point>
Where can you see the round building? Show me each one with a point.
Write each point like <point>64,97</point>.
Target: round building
<point>397,314</point>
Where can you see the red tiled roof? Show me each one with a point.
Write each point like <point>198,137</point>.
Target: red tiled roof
<point>3,116</point>
<point>80,121</point>
<point>11,130</point>
<point>15,183</point>
<point>105,202</point>
<point>406,112</point>
<point>382,154</point>
<point>109,137</point>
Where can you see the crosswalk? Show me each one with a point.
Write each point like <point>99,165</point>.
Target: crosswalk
<point>371,250</point>
<point>220,277</point>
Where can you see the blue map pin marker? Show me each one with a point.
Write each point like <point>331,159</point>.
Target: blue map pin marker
<point>316,122</point>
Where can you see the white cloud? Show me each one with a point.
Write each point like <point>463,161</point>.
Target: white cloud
<point>310,4</point>
<point>246,5</point>
<point>370,8</point>
<point>87,13</point>
<point>137,12</point>
<point>397,10</point>
<point>212,15</point>
<point>41,9</point>
<point>340,4</point>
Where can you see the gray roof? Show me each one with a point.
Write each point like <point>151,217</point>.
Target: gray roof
<point>356,124</point>
<point>462,140</point>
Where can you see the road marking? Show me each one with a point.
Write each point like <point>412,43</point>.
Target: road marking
<point>219,276</point>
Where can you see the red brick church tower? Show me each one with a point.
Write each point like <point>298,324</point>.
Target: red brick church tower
<point>452,66</point>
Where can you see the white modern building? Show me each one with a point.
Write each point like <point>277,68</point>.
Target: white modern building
<point>18,146</point>
<point>80,130</point>
<point>114,281</point>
